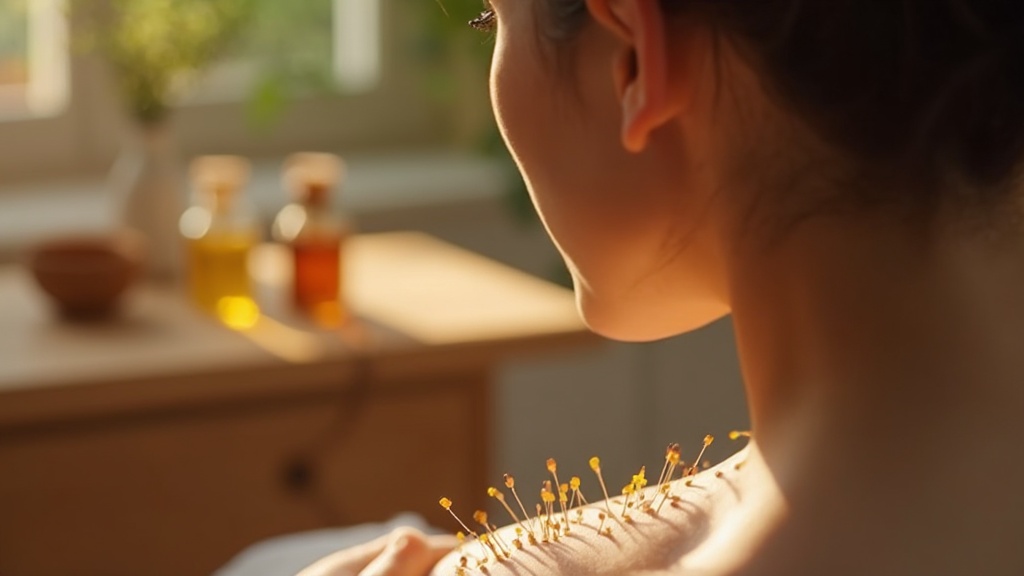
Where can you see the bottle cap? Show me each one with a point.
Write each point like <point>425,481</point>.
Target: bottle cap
<point>216,179</point>
<point>309,177</point>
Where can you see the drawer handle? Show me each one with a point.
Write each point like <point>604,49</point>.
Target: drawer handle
<point>298,476</point>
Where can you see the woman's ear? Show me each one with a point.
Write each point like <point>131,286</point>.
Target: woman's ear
<point>640,66</point>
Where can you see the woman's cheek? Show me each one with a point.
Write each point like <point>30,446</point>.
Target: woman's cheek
<point>519,96</point>
<point>556,154</point>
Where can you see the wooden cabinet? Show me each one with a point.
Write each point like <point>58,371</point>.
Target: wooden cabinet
<point>165,444</point>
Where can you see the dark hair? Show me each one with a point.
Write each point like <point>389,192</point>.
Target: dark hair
<point>919,89</point>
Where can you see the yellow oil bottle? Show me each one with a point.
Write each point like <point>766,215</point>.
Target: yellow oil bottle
<point>219,234</point>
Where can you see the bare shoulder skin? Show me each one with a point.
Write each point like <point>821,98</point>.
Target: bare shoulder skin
<point>658,536</point>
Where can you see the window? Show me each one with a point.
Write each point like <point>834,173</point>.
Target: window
<point>329,74</point>
<point>325,44</point>
<point>33,58</point>
<point>356,43</point>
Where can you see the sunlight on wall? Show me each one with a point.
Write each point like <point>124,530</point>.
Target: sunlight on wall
<point>35,56</point>
<point>357,53</point>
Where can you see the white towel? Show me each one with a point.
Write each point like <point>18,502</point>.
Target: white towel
<point>287,555</point>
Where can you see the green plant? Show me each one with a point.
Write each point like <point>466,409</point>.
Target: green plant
<point>154,46</point>
<point>292,43</point>
<point>444,38</point>
<point>13,40</point>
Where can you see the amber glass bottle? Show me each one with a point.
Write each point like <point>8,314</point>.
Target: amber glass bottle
<point>315,233</point>
<point>220,233</point>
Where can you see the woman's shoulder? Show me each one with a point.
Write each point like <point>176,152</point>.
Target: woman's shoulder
<point>649,532</point>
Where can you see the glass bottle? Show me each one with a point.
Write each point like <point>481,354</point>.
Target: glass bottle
<point>220,233</point>
<point>315,234</point>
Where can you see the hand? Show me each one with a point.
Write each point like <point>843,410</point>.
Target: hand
<point>403,552</point>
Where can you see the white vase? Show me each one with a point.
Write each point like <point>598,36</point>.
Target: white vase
<point>148,189</point>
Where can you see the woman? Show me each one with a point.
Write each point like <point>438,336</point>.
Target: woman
<point>844,178</point>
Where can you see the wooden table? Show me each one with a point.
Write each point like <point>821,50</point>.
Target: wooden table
<point>163,443</point>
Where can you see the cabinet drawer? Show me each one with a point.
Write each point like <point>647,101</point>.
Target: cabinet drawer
<point>177,494</point>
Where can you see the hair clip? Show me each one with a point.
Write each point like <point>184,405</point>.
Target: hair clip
<point>484,22</point>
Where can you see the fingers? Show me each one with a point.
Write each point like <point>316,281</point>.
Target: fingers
<point>409,553</point>
<point>403,552</point>
<point>348,562</point>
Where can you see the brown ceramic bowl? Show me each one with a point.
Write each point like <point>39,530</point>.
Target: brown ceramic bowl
<point>86,275</point>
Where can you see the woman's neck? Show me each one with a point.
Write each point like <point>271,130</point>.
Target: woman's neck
<point>881,367</point>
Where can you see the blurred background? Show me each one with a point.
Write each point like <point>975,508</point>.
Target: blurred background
<point>396,87</point>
